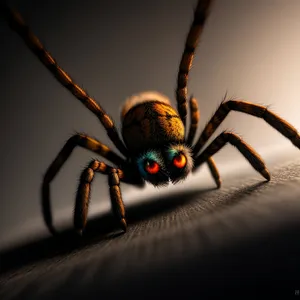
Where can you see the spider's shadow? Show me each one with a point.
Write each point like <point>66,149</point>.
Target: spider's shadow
<point>105,227</point>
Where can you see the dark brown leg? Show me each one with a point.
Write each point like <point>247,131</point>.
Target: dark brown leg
<point>249,153</point>
<point>83,194</point>
<point>214,171</point>
<point>17,23</point>
<point>192,40</point>
<point>76,140</point>
<point>195,117</point>
<point>259,111</point>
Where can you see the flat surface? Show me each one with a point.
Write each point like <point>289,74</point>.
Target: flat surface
<point>242,239</point>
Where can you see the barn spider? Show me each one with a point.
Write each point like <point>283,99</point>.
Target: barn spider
<point>156,146</point>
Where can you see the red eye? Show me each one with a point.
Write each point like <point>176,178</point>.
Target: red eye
<point>179,161</point>
<point>152,167</point>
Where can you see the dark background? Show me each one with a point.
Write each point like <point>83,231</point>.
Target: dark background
<point>117,48</point>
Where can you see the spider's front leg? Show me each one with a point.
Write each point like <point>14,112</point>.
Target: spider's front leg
<point>83,141</point>
<point>249,153</point>
<point>84,189</point>
<point>249,108</point>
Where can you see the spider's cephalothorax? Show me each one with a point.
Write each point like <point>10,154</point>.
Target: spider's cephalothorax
<point>157,146</point>
<point>154,134</point>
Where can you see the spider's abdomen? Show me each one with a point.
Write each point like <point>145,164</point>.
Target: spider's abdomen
<point>149,121</point>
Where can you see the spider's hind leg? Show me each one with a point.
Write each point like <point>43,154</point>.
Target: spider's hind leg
<point>84,189</point>
<point>195,117</point>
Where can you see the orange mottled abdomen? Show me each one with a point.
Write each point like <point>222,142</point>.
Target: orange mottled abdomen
<point>151,124</point>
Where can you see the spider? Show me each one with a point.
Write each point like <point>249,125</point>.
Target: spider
<point>156,145</point>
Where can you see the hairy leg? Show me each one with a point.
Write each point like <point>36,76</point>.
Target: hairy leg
<point>256,110</point>
<point>76,140</point>
<point>192,40</point>
<point>17,23</point>
<point>249,153</point>
<point>214,171</point>
<point>84,189</point>
<point>195,117</point>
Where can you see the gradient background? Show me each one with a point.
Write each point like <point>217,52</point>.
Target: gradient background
<point>114,49</point>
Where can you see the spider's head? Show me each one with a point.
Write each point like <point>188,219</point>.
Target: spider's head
<point>159,166</point>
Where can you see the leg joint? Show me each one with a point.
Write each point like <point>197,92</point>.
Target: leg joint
<point>113,178</point>
<point>75,139</point>
<point>247,107</point>
<point>232,138</point>
<point>87,175</point>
